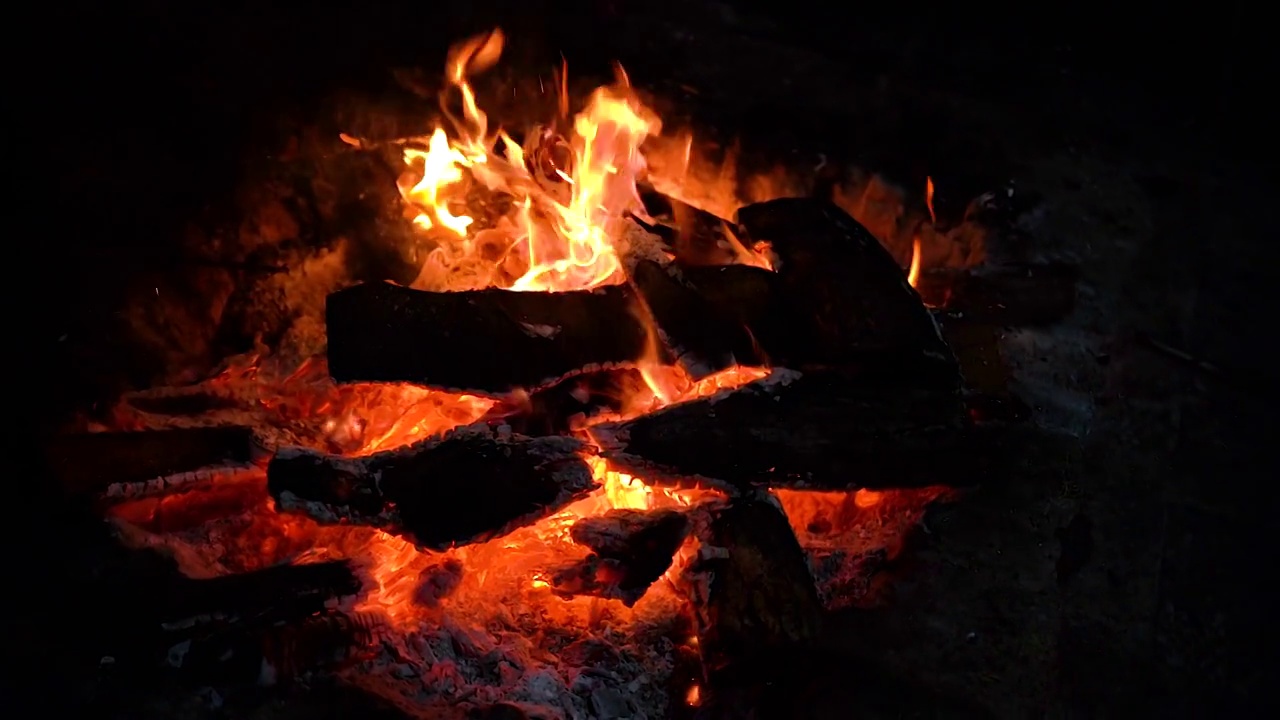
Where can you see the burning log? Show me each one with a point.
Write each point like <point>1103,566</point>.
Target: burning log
<point>1012,295</point>
<point>553,410</point>
<point>632,549</point>
<point>710,315</point>
<point>95,462</point>
<point>490,341</point>
<point>466,486</point>
<point>756,600</point>
<point>855,305</point>
<point>822,430</point>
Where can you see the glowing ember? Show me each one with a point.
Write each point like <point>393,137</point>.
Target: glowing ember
<point>566,227</point>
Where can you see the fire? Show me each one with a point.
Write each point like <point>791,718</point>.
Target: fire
<point>913,273</point>
<point>570,194</point>
<point>571,190</point>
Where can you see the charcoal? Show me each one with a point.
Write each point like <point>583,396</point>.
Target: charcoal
<point>92,462</point>
<point>466,486</point>
<point>820,430</point>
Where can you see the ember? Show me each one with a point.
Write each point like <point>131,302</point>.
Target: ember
<point>590,440</point>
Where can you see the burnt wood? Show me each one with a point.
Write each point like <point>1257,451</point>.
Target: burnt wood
<point>279,592</point>
<point>552,410</point>
<point>631,550</point>
<point>1010,295</point>
<point>92,462</point>
<point>850,300</point>
<point>758,601</point>
<point>822,430</point>
<point>488,341</point>
<point>466,486</point>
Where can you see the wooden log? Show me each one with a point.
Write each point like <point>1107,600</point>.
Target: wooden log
<point>469,485</point>
<point>555,409</point>
<point>631,550</point>
<point>754,598</point>
<point>487,341</point>
<point>94,462</point>
<point>850,298</point>
<point>280,592</point>
<point>709,315</point>
<point>1026,294</point>
<point>821,430</point>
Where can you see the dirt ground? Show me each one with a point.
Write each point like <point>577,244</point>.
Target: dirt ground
<point>1119,573</point>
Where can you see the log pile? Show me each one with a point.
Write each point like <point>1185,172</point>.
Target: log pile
<point>864,393</point>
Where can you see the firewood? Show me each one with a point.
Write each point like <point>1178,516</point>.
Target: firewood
<point>754,597</point>
<point>820,430</point>
<point>466,486</point>
<point>851,299</point>
<point>709,315</point>
<point>632,549</point>
<point>280,592</point>
<point>552,410</point>
<point>1008,295</point>
<point>487,341</point>
<point>96,461</point>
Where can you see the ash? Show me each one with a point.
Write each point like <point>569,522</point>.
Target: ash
<point>608,673</point>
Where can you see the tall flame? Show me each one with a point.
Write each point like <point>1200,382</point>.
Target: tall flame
<point>568,207</point>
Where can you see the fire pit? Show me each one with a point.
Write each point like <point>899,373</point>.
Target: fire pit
<point>612,450</point>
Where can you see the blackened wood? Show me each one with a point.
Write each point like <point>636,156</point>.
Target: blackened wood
<point>758,602</point>
<point>709,315</point>
<point>631,550</point>
<point>553,410</point>
<point>822,430</point>
<point>281,592</point>
<point>1009,295</point>
<point>854,304</point>
<point>489,341</point>
<point>463,487</point>
<point>93,462</point>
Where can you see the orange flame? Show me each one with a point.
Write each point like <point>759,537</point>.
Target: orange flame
<point>913,273</point>
<point>569,206</point>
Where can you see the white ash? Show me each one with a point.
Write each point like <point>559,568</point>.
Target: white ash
<point>613,673</point>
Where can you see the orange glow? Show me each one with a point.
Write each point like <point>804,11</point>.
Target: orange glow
<point>572,186</point>
<point>913,273</point>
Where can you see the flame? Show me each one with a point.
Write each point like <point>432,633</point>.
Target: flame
<point>913,273</point>
<point>571,194</point>
<point>571,184</point>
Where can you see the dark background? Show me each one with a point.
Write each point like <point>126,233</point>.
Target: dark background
<point>145,114</point>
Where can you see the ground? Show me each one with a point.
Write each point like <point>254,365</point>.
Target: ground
<point>1119,572</point>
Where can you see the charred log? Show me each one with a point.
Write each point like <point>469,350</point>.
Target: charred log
<point>489,341</point>
<point>95,462</point>
<point>553,410</point>
<point>710,315</point>
<point>855,305</point>
<point>271,653</point>
<point>1009,295</point>
<point>464,487</point>
<point>280,592</point>
<point>756,600</point>
<point>632,549</point>
<point>823,430</point>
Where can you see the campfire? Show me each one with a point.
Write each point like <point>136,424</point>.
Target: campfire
<point>622,434</point>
